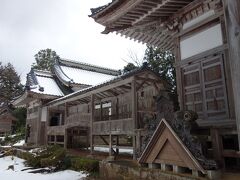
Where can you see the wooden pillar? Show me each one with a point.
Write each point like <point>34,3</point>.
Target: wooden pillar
<point>65,138</point>
<point>91,124</point>
<point>232,16</point>
<point>117,144</point>
<point>110,144</point>
<point>101,118</point>
<point>65,122</point>
<point>117,109</point>
<point>39,127</point>
<point>134,115</point>
<point>217,146</point>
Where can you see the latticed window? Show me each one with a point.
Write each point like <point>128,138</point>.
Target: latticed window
<point>204,88</point>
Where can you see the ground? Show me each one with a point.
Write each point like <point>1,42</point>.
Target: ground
<point>18,163</point>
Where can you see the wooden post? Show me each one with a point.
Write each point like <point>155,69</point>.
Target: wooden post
<point>217,146</point>
<point>65,138</point>
<point>232,15</point>
<point>117,109</point>
<point>91,124</point>
<point>110,144</point>
<point>65,122</point>
<point>39,127</point>
<point>134,115</point>
<point>101,118</point>
<point>117,143</point>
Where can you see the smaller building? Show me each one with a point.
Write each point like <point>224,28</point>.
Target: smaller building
<point>7,121</point>
<point>111,114</point>
<point>65,77</point>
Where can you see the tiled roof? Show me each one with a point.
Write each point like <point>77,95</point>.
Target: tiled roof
<point>42,82</point>
<point>81,76</point>
<point>111,81</point>
<point>76,73</point>
<point>90,67</point>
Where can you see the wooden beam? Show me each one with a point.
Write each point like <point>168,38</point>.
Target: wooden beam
<point>159,5</point>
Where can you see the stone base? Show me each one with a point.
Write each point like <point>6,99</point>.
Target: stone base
<point>215,175</point>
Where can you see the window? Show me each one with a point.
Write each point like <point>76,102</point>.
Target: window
<point>209,38</point>
<point>56,119</point>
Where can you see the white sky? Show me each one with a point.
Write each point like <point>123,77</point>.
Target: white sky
<point>27,26</point>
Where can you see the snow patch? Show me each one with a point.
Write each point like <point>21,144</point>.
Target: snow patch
<point>18,163</point>
<point>19,143</point>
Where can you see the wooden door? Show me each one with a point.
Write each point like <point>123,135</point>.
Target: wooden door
<point>192,88</point>
<point>214,88</point>
<point>204,88</point>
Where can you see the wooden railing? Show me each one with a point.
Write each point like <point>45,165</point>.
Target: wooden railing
<point>73,118</point>
<point>122,126</point>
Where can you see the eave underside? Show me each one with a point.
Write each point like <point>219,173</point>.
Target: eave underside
<point>152,22</point>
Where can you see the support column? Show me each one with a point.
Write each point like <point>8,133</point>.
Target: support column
<point>134,115</point>
<point>232,15</point>
<point>65,138</point>
<point>65,122</point>
<point>217,146</point>
<point>117,143</point>
<point>110,144</point>
<point>91,124</point>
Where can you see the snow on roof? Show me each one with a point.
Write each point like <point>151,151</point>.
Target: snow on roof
<point>47,85</point>
<point>87,66</point>
<point>85,77</point>
<point>43,73</point>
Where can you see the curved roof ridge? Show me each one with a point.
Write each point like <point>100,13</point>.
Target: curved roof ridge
<point>89,67</point>
<point>63,77</point>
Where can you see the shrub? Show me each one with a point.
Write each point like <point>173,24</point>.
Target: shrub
<point>55,159</point>
<point>85,164</point>
<point>51,156</point>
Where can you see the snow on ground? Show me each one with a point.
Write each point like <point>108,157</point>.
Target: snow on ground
<point>2,138</point>
<point>20,143</point>
<point>24,175</point>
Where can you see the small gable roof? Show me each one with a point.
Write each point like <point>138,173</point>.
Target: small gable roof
<point>167,148</point>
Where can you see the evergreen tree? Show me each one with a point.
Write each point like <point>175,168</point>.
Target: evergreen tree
<point>129,67</point>
<point>21,115</point>
<point>162,62</point>
<point>45,59</point>
<point>10,85</point>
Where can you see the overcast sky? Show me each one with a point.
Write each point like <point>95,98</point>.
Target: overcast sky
<point>27,26</point>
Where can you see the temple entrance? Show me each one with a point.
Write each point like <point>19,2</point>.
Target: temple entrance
<point>78,137</point>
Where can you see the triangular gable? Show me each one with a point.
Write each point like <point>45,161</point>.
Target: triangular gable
<point>165,147</point>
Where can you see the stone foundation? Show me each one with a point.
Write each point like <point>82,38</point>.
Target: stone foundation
<point>118,171</point>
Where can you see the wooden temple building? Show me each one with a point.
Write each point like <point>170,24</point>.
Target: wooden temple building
<point>78,105</point>
<point>110,114</point>
<point>66,77</point>
<point>204,36</point>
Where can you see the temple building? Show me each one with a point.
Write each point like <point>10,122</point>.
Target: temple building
<point>204,36</point>
<point>66,77</point>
